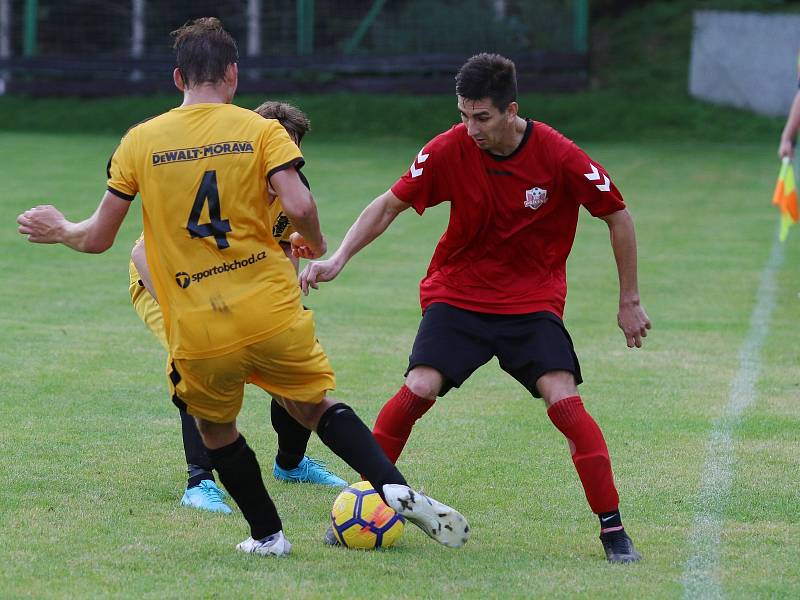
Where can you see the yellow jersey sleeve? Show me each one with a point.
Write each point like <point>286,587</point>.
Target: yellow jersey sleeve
<point>283,154</point>
<point>279,149</point>
<point>121,171</point>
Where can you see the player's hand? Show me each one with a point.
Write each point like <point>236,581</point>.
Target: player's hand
<point>318,272</point>
<point>634,323</point>
<point>786,148</point>
<point>302,249</point>
<point>43,224</point>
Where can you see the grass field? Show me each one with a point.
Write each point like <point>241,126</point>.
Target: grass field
<point>91,444</point>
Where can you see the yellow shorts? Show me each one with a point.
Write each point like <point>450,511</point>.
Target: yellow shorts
<point>149,311</point>
<point>291,364</point>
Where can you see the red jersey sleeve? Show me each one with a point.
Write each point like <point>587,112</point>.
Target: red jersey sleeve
<point>589,183</point>
<point>420,186</point>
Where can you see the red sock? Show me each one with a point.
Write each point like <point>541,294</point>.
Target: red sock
<point>397,417</point>
<point>589,452</point>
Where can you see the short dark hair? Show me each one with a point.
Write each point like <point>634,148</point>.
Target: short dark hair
<point>203,51</point>
<point>488,76</point>
<point>292,118</point>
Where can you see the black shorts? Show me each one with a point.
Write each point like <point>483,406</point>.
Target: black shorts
<point>456,342</point>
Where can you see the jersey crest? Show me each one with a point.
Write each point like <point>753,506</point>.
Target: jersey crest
<point>535,198</point>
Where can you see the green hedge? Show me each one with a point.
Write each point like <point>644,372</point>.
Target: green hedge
<point>587,116</point>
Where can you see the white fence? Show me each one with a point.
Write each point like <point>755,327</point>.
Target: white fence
<point>744,59</point>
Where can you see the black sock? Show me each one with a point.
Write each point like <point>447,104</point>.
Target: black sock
<point>342,431</point>
<point>198,476</point>
<point>198,464</point>
<point>610,520</point>
<point>239,471</point>
<point>292,437</point>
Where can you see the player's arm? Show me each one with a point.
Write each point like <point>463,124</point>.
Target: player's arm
<point>372,222</point>
<point>632,318</point>
<point>139,259</point>
<point>45,224</point>
<point>299,206</point>
<point>789,134</point>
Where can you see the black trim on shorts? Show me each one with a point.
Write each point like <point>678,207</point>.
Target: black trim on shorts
<point>179,403</point>
<point>456,342</point>
<point>297,163</point>
<point>175,378</point>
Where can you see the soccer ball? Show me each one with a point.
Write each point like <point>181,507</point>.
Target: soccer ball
<point>360,519</point>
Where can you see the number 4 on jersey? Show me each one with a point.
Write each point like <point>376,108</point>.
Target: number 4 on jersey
<point>217,226</point>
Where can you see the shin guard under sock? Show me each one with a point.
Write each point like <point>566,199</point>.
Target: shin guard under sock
<point>589,453</point>
<point>292,437</point>
<point>397,417</point>
<point>342,431</point>
<point>240,473</point>
<point>198,464</point>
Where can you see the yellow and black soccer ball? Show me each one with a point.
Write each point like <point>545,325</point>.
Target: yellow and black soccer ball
<point>361,519</point>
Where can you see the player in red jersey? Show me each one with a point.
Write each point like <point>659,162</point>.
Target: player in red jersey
<point>496,284</point>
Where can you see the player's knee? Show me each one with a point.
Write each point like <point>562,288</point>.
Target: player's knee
<point>556,385</point>
<point>425,382</point>
<point>308,414</point>
<point>216,435</point>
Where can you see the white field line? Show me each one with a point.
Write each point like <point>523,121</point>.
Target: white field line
<point>701,572</point>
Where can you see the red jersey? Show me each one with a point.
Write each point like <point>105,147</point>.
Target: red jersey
<point>512,218</point>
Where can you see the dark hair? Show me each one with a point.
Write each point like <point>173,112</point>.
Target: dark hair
<point>488,76</point>
<point>292,118</point>
<point>203,51</point>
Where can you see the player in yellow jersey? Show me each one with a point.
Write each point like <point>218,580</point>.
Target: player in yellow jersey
<point>291,463</point>
<point>228,294</point>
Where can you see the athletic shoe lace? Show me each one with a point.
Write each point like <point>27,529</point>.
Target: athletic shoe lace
<point>214,494</point>
<point>311,463</point>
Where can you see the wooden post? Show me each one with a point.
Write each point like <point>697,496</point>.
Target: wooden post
<point>5,41</point>
<point>580,36</point>
<point>138,33</point>
<point>253,27</point>
<point>499,9</point>
<point>5,28</point>
<point>31,28</point>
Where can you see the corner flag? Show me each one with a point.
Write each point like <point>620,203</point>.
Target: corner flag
<point>785,197</point>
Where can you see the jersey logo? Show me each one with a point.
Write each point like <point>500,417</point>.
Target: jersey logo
<point>535,197</point>
<point>421,158</point>
<point>280,225</point>
<point>183,279</point>
<point>594,175</point>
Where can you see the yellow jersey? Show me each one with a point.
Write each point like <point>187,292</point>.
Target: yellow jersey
<point>202,171</point>
<point>282,228</point>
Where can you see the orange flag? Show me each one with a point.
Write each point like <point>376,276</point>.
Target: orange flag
<point>785,197</point>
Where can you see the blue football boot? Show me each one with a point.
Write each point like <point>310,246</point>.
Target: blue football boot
<point>206,496</point>
<point>308,471</point>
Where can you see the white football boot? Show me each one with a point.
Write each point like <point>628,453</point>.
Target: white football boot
<point>273,545</point>
<point>441,522</point>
